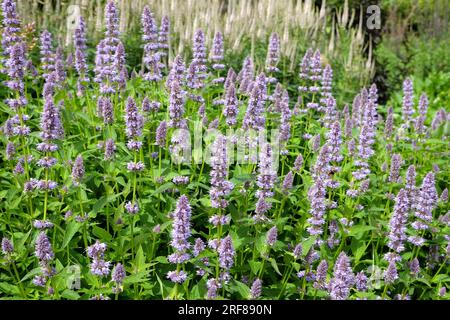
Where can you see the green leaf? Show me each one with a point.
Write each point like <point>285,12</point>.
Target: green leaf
<point>99,204</point>
<point>255,266</point>
<point>71,229</point>
<point>137,277</point>
<point>162,188</point>
<point>70,294</point>
<point>101,233</point>
<point>242,289</point>
<point>274,265</point>
<point>441,278</point>
<point>140,259</point>
<point>307,244</point>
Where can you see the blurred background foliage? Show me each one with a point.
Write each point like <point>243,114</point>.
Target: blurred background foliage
<point>413,40</point>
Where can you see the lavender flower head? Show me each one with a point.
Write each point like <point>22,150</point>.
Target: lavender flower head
<point>134,121</point>
<point>163,36</point>
<point>43,248</point>
<point>177,101</point>
<point>47,54</point>
<point>231,105</point>
<point>273,53</point>
<point>426,199</point>
<point>7,246</point>
<point>226,253</point>
<point>396,163</point>
<point>220,187</point>
<point>408,103</point>
<point>161,134</point>
<point>272,236</point>
<point>343,278</point>
<point>111,20</point>
<point>11,25</point>
<point>78,170</point>
<point>150,37</point>
<point>51,126</point>
<point>397,223</point>
<point>181,226</point>
<point>118,274</point>
<point>256,289</point>
<point>217,51</point>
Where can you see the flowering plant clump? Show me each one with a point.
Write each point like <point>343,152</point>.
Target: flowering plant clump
<point>190,180</point>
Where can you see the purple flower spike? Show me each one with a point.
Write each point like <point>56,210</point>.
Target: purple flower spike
<point>134,121</point>
<point>397,224</point>
<point>118,274</point>
<point>43,248</point>
<point>273,53</point>
<point>408,103</point>
<point>161,134</point>
<point>256,289</point>
<point>226,253</point>
<point>220,187</point>
<point>11,26</point>
<point>181,227</point>
<point>78,170</point>
<point>231,105</point>
<point>163,36</point>
<point>151,47</point>
<point>217,51</point>
<point>343,278</point>
<point>7,246</point>
<point>272,236</point>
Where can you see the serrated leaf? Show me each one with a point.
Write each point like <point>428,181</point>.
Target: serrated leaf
<point>255,266</point>
<point>71,229</point>
<point>101,233</point>
<point>242,289</point>
<point>274,265</point>
<point>307,244</point>
<point>140,259</point>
